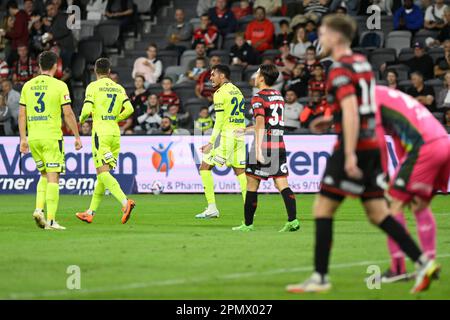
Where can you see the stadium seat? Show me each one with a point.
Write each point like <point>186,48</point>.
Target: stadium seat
<point>402,71</point>
<point>195,22</point>
<point>236,73</point>
<point>154,88</point>
<point>303,100</point>
<point>380,56</point>
<point>187,57</point>
<point>405,84</point>
<point>79,73</point>
<point>174,72</point>
<point>436,53</point>
<point>143,8</point>
<point>271,53</point>
<point>246,89</point>
<point>405,54</point>
<point>223,54</point>
<point>109,33</point>
<point>243,22</point>
<point>398,40</point>
<point>249,71</point>
<point>91,49</point>
<point>228,42</point>
<point>184,90</point>
<point>193,106</point>
<point>423,34</point>
<point>276,22</point>
<point>371,39</point>
<point>168,57</point>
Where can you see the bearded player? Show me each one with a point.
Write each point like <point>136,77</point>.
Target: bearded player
<point>268,155</point>
<point>423,149</point>
<point>354,167</point>
<point>229,105</point>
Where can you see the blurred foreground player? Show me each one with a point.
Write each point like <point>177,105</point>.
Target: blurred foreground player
<point>268,155</point>
<point>423,149</point>
<point>351,90</point>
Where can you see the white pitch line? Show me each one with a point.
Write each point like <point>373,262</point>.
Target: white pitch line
<point>170,282</point>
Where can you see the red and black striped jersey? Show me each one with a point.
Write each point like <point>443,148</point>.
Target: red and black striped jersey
<point>168,99</point>
<point>269,103</point>
<point>352,75</point>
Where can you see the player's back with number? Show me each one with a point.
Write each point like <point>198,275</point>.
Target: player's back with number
<point>107,99</point>
<point>43,97</point>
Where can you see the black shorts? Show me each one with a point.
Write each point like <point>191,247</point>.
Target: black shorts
<point>337,185</point>
<point>275,164</point>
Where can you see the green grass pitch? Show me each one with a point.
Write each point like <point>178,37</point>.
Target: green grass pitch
<point>165,253</point>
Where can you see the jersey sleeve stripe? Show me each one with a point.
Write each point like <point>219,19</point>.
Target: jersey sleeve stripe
<point>65,104</point>
<point>125,101</point>
<point>88,101</point>
<point>22,104</point>
<point>221,110</point>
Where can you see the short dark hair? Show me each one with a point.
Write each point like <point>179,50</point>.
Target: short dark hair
<point>282,22</point>
<point>203,108</point>
<point>270,73</point>
<point>47,60</point>
<point>392,71</point>
<point>139,76</point>
<point>260,8</point>
<point>12,4</point>
<point>417,73</point>
<point>223,69</point>
<point>102,66</point>
<point>204,15</point>
<point>153,45</point>
<point>167,78</point>
<point>343,24</point>
<point>311,48</point>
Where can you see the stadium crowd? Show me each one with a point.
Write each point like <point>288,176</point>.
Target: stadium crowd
<point>168,81</point>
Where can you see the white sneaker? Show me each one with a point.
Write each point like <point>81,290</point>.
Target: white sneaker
<point>208,213</point>
<point>53,225</point>
<point>39,219</point>
<point>316,283</point>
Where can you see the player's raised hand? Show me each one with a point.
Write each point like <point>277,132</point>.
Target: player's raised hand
<point>321,124</point>
<point>24,146</point>
<point>206,148</point>
<point>351,167</point>
<point>78,144</point>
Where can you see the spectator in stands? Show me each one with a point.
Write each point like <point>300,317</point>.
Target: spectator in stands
<point>5,118</point>
<point>18,34</point>
<point>96,9</point>
<point>204,5</point>
<point>4,70</point>
<point>317,82</point>
<point>204,88</point>
<point>310,60</point>
<point>285,61</point>
<point>292,110</point>
<point>204,122</point>
<point>423,93</point>
<point>138,97</point>
<point>114,76</point>
<point>150,121</point>
<point>442,64</point>
<point>260,31</point>
<point>223,18</point>
<point>37,32</point>
<point>272,7</point>
<point>179,32</point>
<point>421,62</point>
<point>447,119</point>
<point>121,11</point>
<point>7,25</point>
<point>408,17</point>
<point>300,43</point>
<point>392,79</point>
<point>317,107</point>
<point>167,97</point>
<point>434,16</point>
<point>318,7</point>
<point>59,34</point>
<point>444,33</point>
<point>244,9</point>
<point>86,128</point>
<point>11,100</point>
<point>200,50</point>
<point>200,67</point>
<point>241,53</point>
<point>299,81</point>
<point>311,31</point>
<point>443,97</point>
<point>385,6</point>
<point>25,67</point>
<point>150,68</point>
<point>284,35</point>
<point>166,127</point>
<point>179,119</point>
<point>207,33</point>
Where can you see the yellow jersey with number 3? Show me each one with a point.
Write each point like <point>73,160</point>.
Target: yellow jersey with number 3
<point>106,99</point>
<point>43,97</point>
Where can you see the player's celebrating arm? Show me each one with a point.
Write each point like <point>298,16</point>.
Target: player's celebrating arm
<point>229,105</point>
<point>108,104</point>
<point>268,155</point>
<point>351,88</point>
<point>41,101</point>
<point>423,149</point>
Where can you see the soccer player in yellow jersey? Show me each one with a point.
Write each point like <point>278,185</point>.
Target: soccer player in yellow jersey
<point>41,101</point>
<point>108,104</point>
<point>229,105</point>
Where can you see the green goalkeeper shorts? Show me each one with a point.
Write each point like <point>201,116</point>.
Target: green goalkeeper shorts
<point>230,152</point>
<point>48,154</point>
<point>105,150</point>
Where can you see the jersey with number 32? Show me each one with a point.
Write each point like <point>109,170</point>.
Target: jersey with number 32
<point>269,103</point>
<point>107,99</point>
<point>43,97</point>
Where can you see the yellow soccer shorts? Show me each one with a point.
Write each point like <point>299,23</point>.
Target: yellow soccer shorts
<point>230,152</point>
<point>48,154</point>
<point>105,150</point>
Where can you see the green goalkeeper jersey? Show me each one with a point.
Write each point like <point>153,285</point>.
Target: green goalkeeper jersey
<point>108,104</point>
<point>229,105</point>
